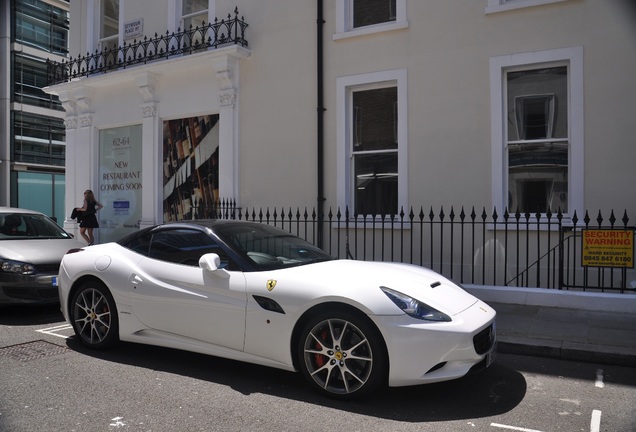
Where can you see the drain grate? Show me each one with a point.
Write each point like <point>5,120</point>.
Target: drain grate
<point>32,350</point>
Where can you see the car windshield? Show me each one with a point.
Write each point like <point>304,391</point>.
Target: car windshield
<point>269,248</point>
<point>25,226</point>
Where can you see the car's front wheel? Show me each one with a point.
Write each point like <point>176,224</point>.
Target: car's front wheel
<point>342,355</point>
<point>94,315</point>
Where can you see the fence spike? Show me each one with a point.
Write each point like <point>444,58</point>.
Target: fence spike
<point>599,218</point>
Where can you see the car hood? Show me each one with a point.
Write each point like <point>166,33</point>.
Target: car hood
<point>361,281</point>
<point>36,251</point>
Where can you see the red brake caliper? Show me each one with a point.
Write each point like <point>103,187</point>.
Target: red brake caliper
<point>319,358</point>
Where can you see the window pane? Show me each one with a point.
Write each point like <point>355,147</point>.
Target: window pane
<point>369,12</point>
<point>375,119</point>
<point>30,76</point>
<point>193,6</point>
<point>376,184</point>
<point>110,18</point>
<point>538,177</point>
<point>538,146</point>
<point>181,246</point>
<point>538,104</point>
<point>194,13</point>
<point>39,139</point>
<point>41,25</point>
<point>34,192</point>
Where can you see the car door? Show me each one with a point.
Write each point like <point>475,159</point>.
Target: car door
<point>172,294</point>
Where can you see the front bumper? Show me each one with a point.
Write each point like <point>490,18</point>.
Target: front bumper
<point>425,352</point>
<point>30,289</point>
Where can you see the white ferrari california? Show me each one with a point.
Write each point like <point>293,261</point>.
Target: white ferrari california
<point>255,293</point>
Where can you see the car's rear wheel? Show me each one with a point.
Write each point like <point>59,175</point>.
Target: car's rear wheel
<point>94,315</point>
<point>342,355</point>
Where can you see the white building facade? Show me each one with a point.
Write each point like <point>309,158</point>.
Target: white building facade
<point>373,106</point>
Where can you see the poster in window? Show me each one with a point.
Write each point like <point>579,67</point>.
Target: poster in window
<point>120,186</point>
<point>190,168</point>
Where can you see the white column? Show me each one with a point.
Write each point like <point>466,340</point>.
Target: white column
<point>151,198</point>
<point>227,73</point>
<point>70,121</point>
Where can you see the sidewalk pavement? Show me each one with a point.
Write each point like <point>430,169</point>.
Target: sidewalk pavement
<point>607,337</point>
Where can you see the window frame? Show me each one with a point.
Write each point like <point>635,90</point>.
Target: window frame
<point>344,21</point>
<point>175,8</point>
<point>105,42</point>
<point>191,15</point>
<point>495,6</point>
<point>499,66</point>
<point>345,86</point>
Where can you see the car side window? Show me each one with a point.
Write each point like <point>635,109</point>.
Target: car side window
<point>185,246</point>
<point>140,244</point>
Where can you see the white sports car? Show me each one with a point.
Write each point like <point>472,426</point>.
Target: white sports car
<point>255,293</point>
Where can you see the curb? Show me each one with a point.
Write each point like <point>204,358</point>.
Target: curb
<point>592,301</point>
<point>572,351</point>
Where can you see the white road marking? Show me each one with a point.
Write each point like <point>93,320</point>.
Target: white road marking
<point>514,428</point>
<point>53,330</point>
<point>117,422</point>
<point>595,424</point>
<point>599,379</point>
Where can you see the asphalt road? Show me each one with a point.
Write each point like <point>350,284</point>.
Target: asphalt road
<point>48,382</point>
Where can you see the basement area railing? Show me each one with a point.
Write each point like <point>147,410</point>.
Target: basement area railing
<point>521,249</point>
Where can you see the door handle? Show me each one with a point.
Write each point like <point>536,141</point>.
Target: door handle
<point>135,279</point>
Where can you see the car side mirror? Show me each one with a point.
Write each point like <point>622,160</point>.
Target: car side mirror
<point>212,263</point>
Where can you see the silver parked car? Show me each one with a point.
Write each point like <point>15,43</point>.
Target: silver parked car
<point>31,248</point>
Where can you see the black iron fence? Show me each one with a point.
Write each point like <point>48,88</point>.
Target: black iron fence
<point>520,249</point>
<point>160,47</point>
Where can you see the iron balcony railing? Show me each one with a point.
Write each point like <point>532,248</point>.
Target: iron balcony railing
<point>520,249</point>
<point>229,31</point>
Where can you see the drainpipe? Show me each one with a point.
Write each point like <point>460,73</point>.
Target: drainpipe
<point>320,122</point>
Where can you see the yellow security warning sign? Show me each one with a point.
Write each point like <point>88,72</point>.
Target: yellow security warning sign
<point>608,248</point>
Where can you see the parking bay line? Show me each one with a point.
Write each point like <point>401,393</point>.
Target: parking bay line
<point>514,428</point>
<point>595,424</point>
<point>53,330</point>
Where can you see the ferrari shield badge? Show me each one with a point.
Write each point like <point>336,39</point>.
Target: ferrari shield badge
<point>271,284</point>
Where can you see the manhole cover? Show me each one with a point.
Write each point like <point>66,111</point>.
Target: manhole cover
<point>32,350</point>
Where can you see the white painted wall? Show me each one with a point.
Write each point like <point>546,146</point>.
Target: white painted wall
<point>445,49</point>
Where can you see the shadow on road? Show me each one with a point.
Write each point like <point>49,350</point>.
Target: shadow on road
<point>28,315</point>
<point>492,392</point>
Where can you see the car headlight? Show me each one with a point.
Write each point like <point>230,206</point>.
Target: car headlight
<point>413,307</point>
<point>22,268</point>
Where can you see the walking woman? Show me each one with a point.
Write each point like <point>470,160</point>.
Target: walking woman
<point>89,219</point>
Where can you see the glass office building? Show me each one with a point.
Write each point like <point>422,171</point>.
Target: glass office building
<point>32,130</point>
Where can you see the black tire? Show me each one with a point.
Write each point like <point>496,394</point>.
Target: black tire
<point>93,315</point>
<point>342,355</point>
